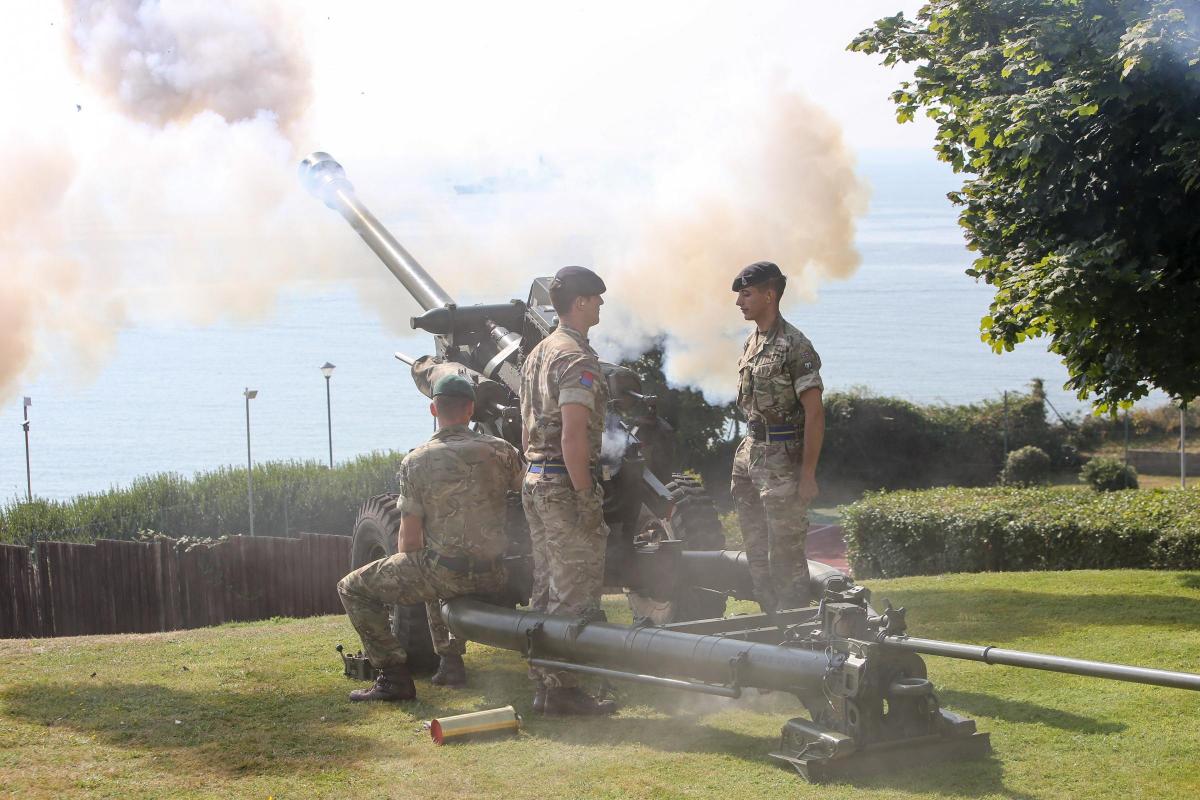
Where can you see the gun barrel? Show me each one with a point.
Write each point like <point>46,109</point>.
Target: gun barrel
<point>326,180</point>
<point>405,358</point>
<point>1072,666</point>
<point>644,652</point>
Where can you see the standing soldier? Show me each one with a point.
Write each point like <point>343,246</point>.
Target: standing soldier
<point>774,468</point>
<point>563,403</point>
<point>452,513</point>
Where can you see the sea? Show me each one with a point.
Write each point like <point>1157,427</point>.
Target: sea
<point>171,397</point>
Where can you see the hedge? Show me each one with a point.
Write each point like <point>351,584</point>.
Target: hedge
<point>994,529</point>
<point>289,496</point>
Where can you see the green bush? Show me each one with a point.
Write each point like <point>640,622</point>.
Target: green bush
<point>1028,466</point>
<point>289,497</point>
<point>1108,475</point>
<point>886,443</point>
<point>976,530</point>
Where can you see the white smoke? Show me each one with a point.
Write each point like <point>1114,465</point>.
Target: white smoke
<point>166,192</point>
<point>669,244</point>
<point>169,61</point>
<point>169,191</point>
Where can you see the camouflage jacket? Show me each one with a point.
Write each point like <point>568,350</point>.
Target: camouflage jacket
<point>457,481</point>
<point>563,368</point>
<point>775,368</point>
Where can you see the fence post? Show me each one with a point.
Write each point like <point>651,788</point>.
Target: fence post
<point>1006,425</point>
<point>1182,444</point>
<point>1126,473</point>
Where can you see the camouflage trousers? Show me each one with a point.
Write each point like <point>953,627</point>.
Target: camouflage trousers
<point>774,520</point>
<point>400,580</point>
<point>568,536</point>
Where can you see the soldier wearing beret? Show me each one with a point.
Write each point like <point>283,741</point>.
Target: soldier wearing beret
<point>774,468</point>
<point>563,402</point>
<point>452,507</point>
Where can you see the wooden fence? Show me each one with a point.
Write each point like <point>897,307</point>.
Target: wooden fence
<point>138,587</point>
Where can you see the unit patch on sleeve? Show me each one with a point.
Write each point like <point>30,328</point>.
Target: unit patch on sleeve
<point>586,378</point>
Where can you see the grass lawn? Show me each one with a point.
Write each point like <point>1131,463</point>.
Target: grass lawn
<point>259,710</point>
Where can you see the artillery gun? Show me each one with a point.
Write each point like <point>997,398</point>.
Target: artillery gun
<point>857,672</point>
<point>652,511</point>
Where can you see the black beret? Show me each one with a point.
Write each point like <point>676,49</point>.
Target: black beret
<point>578,282</point>
<point>756,273</point>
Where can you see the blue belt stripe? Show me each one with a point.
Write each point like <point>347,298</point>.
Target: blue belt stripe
<point>549,467</point>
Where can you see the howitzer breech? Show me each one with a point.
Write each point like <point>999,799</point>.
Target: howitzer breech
<point>642,650</point>
<point>1072,666</point>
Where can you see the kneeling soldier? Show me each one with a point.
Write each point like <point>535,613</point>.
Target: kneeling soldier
<point>452,507</point>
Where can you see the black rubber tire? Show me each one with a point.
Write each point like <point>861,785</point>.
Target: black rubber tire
<point>375,532</point>
<point>694,521</point>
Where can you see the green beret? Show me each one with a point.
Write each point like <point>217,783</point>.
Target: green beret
<point>454,386</point>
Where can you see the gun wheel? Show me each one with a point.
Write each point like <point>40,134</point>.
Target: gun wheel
<point>695,522</point>
<point>375,533</point>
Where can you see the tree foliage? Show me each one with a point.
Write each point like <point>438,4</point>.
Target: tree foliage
<point>1077,123</point>
<point>699,425</point>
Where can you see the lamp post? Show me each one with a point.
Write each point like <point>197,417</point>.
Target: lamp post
<point>327,371</point>
<point>28,401</point>
<point>249,394</point>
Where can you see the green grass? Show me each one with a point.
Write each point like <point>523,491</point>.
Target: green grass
<point>259,710</point>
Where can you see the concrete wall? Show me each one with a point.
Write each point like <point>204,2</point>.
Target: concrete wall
<point>1162,462</point>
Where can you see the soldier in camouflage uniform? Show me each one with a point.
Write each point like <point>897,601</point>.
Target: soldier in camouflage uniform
<point>774,468</point>
<point>452,505</point>
<point>563,402</point>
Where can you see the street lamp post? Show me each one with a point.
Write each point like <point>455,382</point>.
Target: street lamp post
<point>28,401</point>
<point>327,371</point>
<point>249,394</point>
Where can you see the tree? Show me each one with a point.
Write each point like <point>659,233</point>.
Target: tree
<point>1077,125</point>
<point>699,425</point>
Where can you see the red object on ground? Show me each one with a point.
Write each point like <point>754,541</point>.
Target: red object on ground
<point>825,544</point>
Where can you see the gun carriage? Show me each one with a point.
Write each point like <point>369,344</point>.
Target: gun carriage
<point>857,672</point>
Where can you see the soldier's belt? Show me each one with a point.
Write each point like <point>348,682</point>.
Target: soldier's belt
<point>550,466</point>
<point>463,564</point>
<point>774,433</point>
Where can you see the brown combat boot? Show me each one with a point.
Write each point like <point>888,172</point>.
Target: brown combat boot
<point>573,701</point>
<point>451,672</point>
<point>392,685</point>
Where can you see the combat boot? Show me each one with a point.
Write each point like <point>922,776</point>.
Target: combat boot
<point>451,672</point>
<point>573,701</point>
<point>392,685</point>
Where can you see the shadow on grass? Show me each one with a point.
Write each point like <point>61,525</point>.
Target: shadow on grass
<point>1189,580</point>
<point>670,721</point>
<point>1001,614</point>
<point>230,732</point>
<point>1020,711</point>
<point>688,734</point>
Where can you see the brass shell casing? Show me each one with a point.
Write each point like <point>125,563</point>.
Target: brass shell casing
<point>495,721</point>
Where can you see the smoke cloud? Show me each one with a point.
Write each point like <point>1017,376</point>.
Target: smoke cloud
<point>785,192</point>
<point>167,62</point>
<point>169,193</point>
<point>669,243</point>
